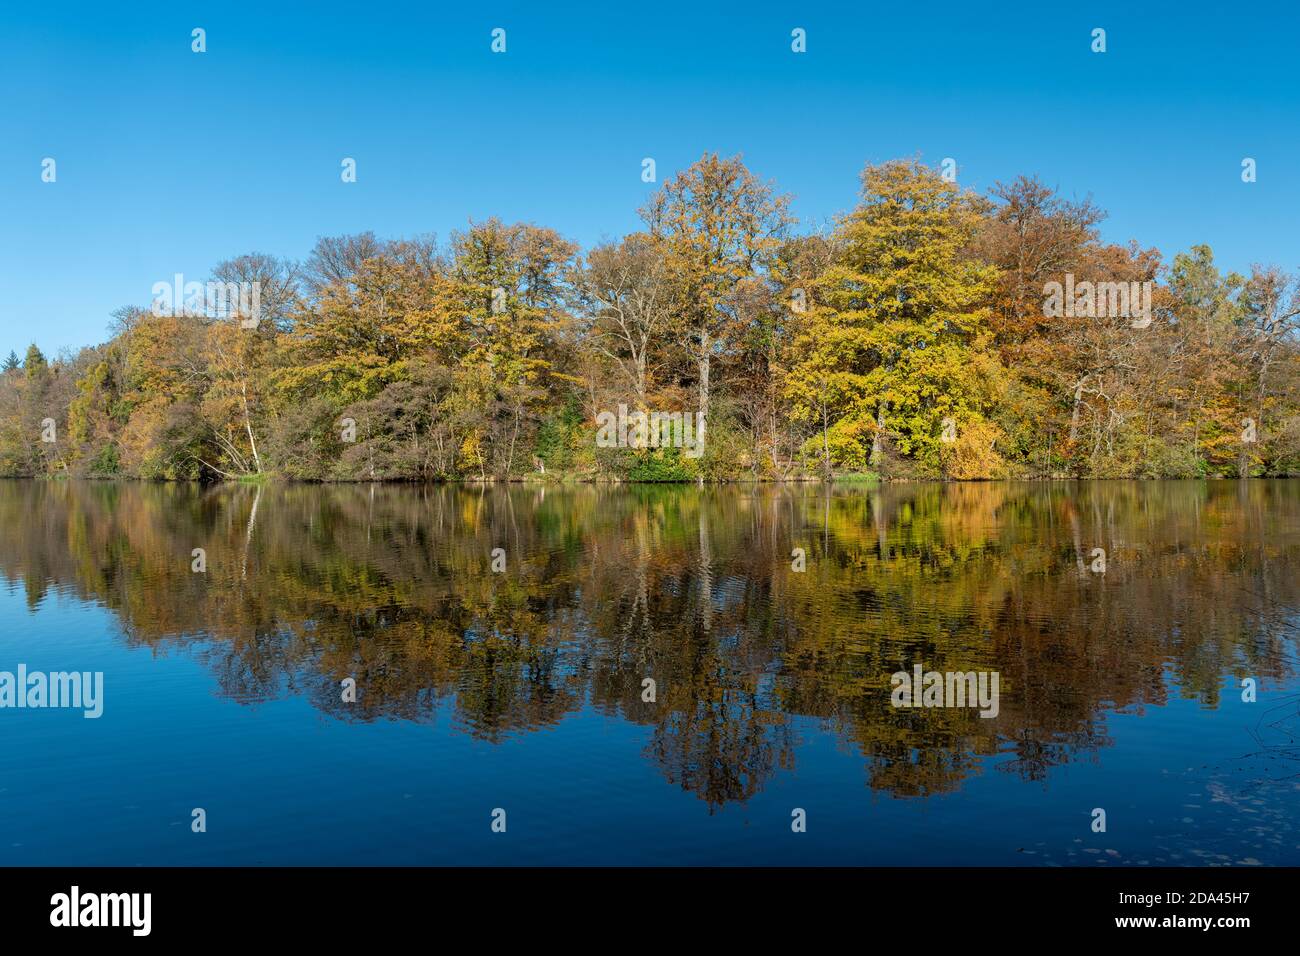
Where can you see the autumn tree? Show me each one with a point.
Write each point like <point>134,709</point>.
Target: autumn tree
<point>897,340</point>
<point>510,285</point>
<point>717,225</point>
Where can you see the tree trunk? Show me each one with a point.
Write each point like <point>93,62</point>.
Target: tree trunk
<point>1074,415</point>
<point>248,426</point>
<point>706,349</point>
<point>826,447</point>
<point>877,452</point>
<point>704,386</point>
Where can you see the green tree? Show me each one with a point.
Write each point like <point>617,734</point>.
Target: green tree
<point>35,365</point>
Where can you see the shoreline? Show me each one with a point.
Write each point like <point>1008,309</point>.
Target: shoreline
<point>571,482</point>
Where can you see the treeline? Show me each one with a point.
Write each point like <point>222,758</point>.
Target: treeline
<point>913,339</point>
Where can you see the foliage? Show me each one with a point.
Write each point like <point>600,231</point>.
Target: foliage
<point>914,339</point>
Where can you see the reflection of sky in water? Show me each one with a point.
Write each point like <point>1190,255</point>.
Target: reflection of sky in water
<point>1126,698</point>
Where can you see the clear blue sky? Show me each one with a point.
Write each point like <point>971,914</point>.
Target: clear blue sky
<point>169,161</point>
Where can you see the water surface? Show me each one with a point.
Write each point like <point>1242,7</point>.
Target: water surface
<point>522,689</point>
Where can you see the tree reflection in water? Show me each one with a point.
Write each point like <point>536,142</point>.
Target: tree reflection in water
<point>694,587</point>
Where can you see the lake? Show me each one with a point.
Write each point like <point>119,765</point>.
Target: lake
<point>502,641</point>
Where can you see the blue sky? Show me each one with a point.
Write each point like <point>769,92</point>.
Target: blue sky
<point>169,161</point>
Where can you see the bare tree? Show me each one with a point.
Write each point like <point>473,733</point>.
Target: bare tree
<point>623,291</point>
<point>277,283</point>
<point>336,259</point>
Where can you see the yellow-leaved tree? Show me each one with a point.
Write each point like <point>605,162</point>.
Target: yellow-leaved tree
<point>893,353</point>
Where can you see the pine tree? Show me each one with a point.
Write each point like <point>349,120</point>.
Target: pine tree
<point>34,364</point>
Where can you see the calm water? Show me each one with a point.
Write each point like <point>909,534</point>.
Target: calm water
<point>522,689</point>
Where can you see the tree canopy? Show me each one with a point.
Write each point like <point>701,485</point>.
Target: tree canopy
<point>917,336</point>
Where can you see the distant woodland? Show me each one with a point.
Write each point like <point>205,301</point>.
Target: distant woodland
<point>913,338</point>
